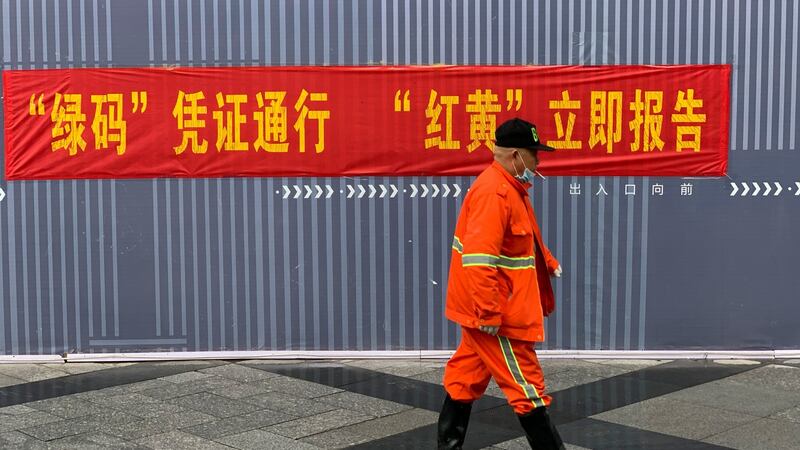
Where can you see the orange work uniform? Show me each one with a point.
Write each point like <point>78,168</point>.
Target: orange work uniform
<point>499,276</point>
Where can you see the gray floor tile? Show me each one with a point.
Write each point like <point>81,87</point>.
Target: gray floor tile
<point>403,368</point>
<point>123,389</point>
<point>174,390</point>
<point>630,364</point>
<point>19,420</point>
<point>335,439</point>
<point>307,426</point>
<point>121,400</point>
<point>67,407</point>
<point>13,439</point>
<point>363,404</point>
<point>142,385</point>
<point>394,424</point>
<point>514,444</point>
<point>77,368</point>
<point>238,424</point>
<point>16,410</point>
<point>241,390</point>
<point>152,411</point>
<point>288,404</point>
<point>558,379</point>
<point>214,405</point>
<point>772,376</point>
<point>6,380</point>
<point>177,440</point>
<point>791,414</point>
<point>764,434</point>
<point>299,388</point>
<point>214,382</point>
<point>163,424</point>
<point>321,416</point>
<point>676,418</point>
<point>238,372</point>
<point>78,425</point>
<point>732,395</point>
<point>149,410</point>
<point>556,365</point>
<point>435,376</point>
<point>260,439</point>
<point>522,444</point>
<point>33,372</point>
<point>185,377</point>
<point>92,441</point>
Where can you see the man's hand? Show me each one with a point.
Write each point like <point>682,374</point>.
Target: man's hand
<point>489,330</point>
<point>557,272</point>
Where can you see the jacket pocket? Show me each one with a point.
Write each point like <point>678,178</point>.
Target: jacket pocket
<point>520,240</point>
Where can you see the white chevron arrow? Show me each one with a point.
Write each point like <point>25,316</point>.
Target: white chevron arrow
<point>297,192</point>
<point>286,192</point>
<point>735,189</point>
<point>778,189</point>
<point>445,190</point>
<point>756,189</point>
<point>319,191</point>
<point>413,191</point>
<point>425,190</point>
<point>458,190</point>
<point>384,191</point>
<point>745,189</point>
<point>309,192</point>
<point>350,191</point>
<point>2,194</point>
<point>394,190</point>
<point>361,191</point>
<point>330,191</point>
<point>767,189</point>
<point>435,190</point>
<point>372,191</point>
<point>797,192</point>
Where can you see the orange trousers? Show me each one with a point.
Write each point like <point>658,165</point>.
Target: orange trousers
<point>512,363</point>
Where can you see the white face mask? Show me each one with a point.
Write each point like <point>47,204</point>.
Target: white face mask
<point>527,175</point>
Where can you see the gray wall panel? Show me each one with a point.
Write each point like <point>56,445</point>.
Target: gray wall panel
<point>229,264</point>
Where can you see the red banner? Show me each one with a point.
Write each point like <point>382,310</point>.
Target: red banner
<point>342,121</point>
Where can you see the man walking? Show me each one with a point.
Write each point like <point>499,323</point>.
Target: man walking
<point>499,292</point>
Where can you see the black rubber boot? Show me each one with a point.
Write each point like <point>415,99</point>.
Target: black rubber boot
<point>540,431</point>
<point>453,421</point>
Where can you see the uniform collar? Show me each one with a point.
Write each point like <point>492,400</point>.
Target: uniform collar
<point>512,180</point>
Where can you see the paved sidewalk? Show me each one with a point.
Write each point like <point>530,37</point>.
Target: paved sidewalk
<point>260,404</point>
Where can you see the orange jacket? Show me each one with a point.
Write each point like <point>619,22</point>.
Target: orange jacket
<point>498,277</point>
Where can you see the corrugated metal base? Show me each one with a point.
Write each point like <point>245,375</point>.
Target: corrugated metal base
<point>425,354</point>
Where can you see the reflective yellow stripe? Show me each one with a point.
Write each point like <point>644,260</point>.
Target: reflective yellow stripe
<point>478,259</point>
<point>457,245</point>
<point>516,372</point>
<point>525,262</point>
<point>486,260</point>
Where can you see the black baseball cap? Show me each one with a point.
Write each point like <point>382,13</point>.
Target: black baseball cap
<point>517,133</point>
